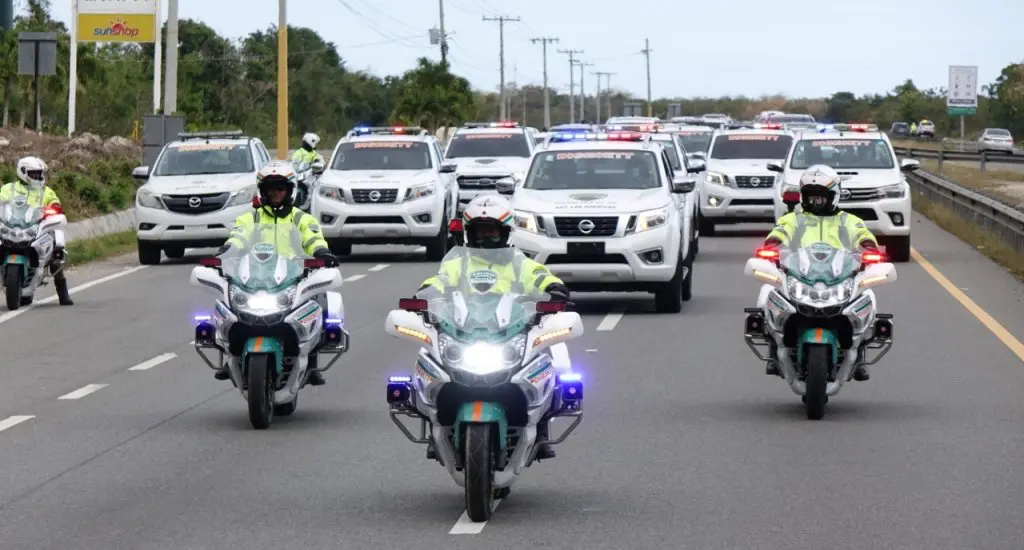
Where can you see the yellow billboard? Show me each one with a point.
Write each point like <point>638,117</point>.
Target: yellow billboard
<point>114,27</point>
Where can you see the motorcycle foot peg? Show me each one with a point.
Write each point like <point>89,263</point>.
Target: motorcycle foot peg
<point>883,328</point>
<point>205,331</point>
<point>399,390</point>
<point>754,324</point>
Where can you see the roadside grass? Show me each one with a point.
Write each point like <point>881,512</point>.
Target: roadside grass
<point>986,243</point>
<point>106,186</point>
<point>994,184</point>
<point>100,248</point>
<point>915,144</point>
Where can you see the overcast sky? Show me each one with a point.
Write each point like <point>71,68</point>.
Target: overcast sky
<point>700,48</point>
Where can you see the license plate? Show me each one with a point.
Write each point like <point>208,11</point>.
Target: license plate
<point>585,249</point>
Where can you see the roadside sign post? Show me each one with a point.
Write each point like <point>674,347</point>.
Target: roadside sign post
<point>962,92</point>
<point>37,56</point>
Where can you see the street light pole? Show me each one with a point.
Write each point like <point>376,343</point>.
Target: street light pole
<point>282,81</point>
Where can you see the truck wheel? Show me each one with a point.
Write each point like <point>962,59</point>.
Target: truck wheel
<point>149,253</point>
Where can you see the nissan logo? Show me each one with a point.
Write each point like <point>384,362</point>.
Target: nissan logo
<point>585,227</point>
<point>195,202</point>
<point>374,195</point>
<point>485,182</point>
<point>755,181</point>
<point>845,194</point>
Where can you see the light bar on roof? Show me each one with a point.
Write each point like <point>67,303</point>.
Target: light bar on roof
<point>499,124</point>
<point>387,130</point>
<point>768,126</point>
<point>604,136</point>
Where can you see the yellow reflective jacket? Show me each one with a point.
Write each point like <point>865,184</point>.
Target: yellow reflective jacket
<point>800,230</point>
<point>305,156</point>
<point>277,231</point>
<point>528,277</point>
<point>36,197</point>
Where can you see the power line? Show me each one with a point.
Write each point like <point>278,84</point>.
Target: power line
<point>572,81</point>
<point>501,20</point>
<point>544,41</point>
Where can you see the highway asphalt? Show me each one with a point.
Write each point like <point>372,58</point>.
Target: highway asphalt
<point>686,443</point>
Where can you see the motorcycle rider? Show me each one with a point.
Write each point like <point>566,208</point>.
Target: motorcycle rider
<point>32,172</point>
<point>487,226</point>
<point>308,153</point>
<point>274,220</point>
<point>821,221</point>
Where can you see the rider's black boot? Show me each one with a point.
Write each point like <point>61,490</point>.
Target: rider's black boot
<point>221,374</point>
<point>861,374</point>
<point>544,450</point>
<point>60,282</point>
<point>316,379</point>
<point>772,368</point>
<point>431,451</point>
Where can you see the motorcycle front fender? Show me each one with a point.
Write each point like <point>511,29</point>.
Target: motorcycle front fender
<point>818,337</point>
<point>265,345</point>
<point>482,412</point>
<point>17,260</point>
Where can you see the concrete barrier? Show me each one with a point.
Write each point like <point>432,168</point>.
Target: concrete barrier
<point>101,225</point>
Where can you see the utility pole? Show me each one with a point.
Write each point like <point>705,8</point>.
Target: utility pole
<point>583,91</point>
<point>171,76</point>
<point>544,41</point>
<point>606,91</point>
<point>444,39</point>
<point>572,82</point>
<point>501,56</point>
<point>282,80</point>
<point>597,97</point>
<point>647,54</point>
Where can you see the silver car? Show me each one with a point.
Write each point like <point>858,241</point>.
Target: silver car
<point>995,139</point>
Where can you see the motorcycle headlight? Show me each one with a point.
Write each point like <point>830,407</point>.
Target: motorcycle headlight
<point>651,219</point>
<point>148,200</point>
<point>526,221</point>
<point>716,178</point>
<point>243,196</point>
<point>796,289</point>
<point>333,193</point>
<point>895,191</point>
<point>419,191</point>
<point>261,302</point>
<point>482,358</point>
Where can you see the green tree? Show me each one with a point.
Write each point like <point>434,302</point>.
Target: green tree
<point>431,96</point>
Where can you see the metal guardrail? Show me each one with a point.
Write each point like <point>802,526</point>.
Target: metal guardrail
<point>981,158</point>
<point>987,214</point>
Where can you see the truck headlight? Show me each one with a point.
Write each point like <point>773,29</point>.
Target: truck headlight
<point>716,178</point>
<point>332,193</point>
<point>243,196</point>
<point>420,191</point>
<point>895,191</point>
<point>526,221</point>
<point>651,219</point>
<point>147,199</point>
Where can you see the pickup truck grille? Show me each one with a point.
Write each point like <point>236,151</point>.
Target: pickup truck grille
<point>570,226</point>
<point>480,182</point>
<point>755,182</point>
<point>202,203</point>
<point>367,195</point>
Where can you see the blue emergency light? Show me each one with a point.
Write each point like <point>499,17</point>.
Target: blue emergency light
<point>592,136</point>
<point>572,128</point>
<point>387,130</point>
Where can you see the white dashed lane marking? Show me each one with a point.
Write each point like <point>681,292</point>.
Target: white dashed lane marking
<point>13,421</point>
<point>146,365</point>
<point>466,527</point>
<point>380,267</point>
<point>354,278</point>
<point>610,320</point>
<point>83,391</point>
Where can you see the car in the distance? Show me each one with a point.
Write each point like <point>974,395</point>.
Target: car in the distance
<point>899,129</point>
<point>194,191</point>
<point>873,186</point>
<point>995,139</point>
<point>926,128</point>
<point>481,153</point>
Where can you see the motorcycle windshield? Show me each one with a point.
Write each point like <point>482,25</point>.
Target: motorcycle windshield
<point>483,300</point>
<point>820,263</point>
<point>18,213</point>
<point>270,258</point>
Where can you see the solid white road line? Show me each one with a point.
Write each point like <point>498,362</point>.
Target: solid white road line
<point>50,299</point>
<point>421,249</point>
<point>13,421</point>
<point>83,391</point>
<point>466,527</point>
<point>610,320</point>
<point>380,267</point>
<point>354,278</point>
<point>146,365</point>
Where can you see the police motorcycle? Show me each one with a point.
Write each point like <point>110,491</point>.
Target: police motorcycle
<point>29,235</point>
<point>817,316</point>
<point>484,379</point>
<point>275,316</point>
<point>308,175</point>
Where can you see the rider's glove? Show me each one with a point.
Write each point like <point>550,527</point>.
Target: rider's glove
<point>558,292</point>
<point>330,260</point>
<point>869,245</point>
<point>772,242</point>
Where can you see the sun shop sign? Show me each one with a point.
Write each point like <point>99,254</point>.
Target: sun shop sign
<point>117,20</point>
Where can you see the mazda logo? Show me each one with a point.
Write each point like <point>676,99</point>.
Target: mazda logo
<point>195,202</point>
<point>845,194</point>
<point>585,227</point>
<point>374,195</point>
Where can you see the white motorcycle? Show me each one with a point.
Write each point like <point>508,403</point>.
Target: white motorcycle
<point>29,235</point>
<point>485,378</point>
<point>275,315</point>
<point>817,316</point>
<point>308,174</point>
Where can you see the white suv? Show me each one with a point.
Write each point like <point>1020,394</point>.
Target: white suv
<point>197,187</point>
<point>481,153</point>
<point>384,186</point>
<point>738,187</point>
<point>607,213</point>
<point>873,187</point>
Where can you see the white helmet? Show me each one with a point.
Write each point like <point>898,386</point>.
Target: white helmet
<point>311,139</point>
<point>32,171</point>
<point>277,173</point>
<point>820,187</point>
<point>493,210</point>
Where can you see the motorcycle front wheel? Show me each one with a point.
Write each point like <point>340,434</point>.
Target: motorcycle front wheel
<point>261,391</point>
<point>12,284</point>
<point>817,363</point>
<point>479,472</point>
